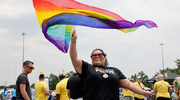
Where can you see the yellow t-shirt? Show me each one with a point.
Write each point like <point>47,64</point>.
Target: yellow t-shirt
<point>138,95</point>
<point>127,92</point>
<point>163,90</point>
<point>39,89</point>
<point>61,89</point>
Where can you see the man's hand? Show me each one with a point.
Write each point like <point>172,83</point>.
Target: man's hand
<point>147,93</point>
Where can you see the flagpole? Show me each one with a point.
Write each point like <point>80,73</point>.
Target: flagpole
<point>23,34</point>
<point>162,55</point>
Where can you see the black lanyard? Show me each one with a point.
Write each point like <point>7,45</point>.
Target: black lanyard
<point>140,85</point>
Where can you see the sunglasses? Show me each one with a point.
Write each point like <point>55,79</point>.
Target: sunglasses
<point>30,67</point>
<point>99,55</point>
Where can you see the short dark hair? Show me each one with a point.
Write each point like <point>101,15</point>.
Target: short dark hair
<point>27,62</point>
<point>103,54</point>
<point>61,76</point>
<point>41,76</point>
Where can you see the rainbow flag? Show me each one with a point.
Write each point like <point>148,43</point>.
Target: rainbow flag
<point>57,18</point>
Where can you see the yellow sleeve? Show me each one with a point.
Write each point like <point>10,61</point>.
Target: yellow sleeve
<point>58,89</point>
<point>44,85</point>
<point>168,84</point>
<point>155,85</point>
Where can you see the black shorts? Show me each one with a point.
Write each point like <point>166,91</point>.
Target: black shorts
<point>137,98</point>
<point>13,98</point>
<point>161,98</point>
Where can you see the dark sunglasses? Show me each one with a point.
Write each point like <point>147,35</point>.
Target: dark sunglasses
<point>99,55</point>
<point>30,67</point>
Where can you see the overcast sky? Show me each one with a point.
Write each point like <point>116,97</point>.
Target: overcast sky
<point>130,52</point>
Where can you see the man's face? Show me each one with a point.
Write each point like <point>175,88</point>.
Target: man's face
<point>139,80</point>
<point>29,68</point>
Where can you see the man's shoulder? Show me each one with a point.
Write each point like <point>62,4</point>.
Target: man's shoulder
<point>58,84</point>
<point>44,84</point>
<point>158,82</point>
<point>65,80</point>
<point>167,83</point>
<point>22,75</point>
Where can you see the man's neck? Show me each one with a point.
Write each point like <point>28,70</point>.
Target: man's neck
<point>62,78</point>
<point>41,79</point>
<point>161,80</point>
<point>25,72</point>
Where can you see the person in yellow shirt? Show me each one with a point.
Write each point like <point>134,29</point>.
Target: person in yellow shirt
<point>61,91</point>
<point>128,95</point>
<point>162,88</point>
<point>140,85</point>
<point>41,88</point>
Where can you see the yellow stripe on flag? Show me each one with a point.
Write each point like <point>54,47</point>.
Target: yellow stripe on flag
<point>166,75</point>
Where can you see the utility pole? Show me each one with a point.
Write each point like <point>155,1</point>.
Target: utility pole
<point>23,34</point>
<point>162,55</point>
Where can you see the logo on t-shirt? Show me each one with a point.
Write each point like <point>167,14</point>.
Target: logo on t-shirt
<point>102,70</point>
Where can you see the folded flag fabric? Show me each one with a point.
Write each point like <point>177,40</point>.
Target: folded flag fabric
<point>58,17</point>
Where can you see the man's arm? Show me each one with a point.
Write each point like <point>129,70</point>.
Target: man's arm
<point>154,89</point>
<point>46,91</point>
<point>68,92</point>
<point>23,91</point>
<point>57,96</point>
<point>169,90</point>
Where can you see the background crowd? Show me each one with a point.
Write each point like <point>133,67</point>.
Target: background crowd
<point>72,90</point>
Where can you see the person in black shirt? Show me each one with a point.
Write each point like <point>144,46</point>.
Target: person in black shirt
<point>100,82</point>
<point>74,87</point>
<point>23,90</point>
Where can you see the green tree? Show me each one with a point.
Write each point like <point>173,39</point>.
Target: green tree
<point>32,85</point>
<point>2,87</point>
<point>173,70</point>
<point>178,63</point>
<point>144,78</point>
<point>156,74</point>
<point>177,70</point>
<point>11,86</point>
<point>134,77</point>
<point>167,69</point>
<point>68,75</point>
<point>53,80</point>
